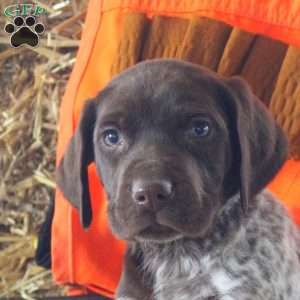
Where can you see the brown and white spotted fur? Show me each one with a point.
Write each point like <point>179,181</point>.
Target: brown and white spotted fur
<point>251,258</point>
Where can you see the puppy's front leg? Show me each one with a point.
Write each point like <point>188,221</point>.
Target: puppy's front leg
<point>133,284</point>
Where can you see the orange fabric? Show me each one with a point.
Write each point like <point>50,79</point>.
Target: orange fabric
<point>92,258</point>
<point>286,186</point>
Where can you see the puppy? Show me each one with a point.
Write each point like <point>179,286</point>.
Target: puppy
<point>184,156</point>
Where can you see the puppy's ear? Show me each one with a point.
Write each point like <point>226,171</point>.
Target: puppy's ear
<point>72,175</point>
<point>262,144</point>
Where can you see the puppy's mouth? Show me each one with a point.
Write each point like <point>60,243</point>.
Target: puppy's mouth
<point>158,233</point>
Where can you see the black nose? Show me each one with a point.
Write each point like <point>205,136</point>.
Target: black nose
<point>151,194</point>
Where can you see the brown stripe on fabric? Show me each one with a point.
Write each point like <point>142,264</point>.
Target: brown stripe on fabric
<point>205,41</point>
<point>285,102</point>
<point>132,38</point>
<point>262,66</point>
<point>165,37</point>
<point>236,52</point>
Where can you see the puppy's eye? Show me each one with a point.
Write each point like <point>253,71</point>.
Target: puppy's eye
<point>111,137</point>
<point>201,128</point>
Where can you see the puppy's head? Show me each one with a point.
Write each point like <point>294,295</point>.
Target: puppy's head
<point>172,143</point>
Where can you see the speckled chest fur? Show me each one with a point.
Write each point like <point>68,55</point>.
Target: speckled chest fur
<point>251,258</point>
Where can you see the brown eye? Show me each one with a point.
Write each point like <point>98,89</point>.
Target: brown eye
<point>111,137</point>
<point>201,128</point>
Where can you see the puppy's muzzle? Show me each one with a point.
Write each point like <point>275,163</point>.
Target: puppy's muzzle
<point>152,194</point>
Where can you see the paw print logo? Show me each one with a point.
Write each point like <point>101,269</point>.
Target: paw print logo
<point>24,31</point>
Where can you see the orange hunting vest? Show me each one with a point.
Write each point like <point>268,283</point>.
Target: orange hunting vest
<point>119,33</point>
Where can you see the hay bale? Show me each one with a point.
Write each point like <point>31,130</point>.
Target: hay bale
<point>32,84</point>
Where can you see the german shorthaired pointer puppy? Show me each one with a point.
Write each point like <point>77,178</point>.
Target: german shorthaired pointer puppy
<point>184,155</point>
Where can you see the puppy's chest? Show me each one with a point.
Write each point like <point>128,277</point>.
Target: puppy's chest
<point>187,274</point>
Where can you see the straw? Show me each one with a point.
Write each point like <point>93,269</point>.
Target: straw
<point>32,83</point>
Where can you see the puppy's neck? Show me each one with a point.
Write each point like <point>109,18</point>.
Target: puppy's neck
<point>176,263</point>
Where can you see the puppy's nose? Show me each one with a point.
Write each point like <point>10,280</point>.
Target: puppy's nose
<point>151,194</point>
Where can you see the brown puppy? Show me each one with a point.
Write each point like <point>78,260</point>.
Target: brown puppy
<point>183,155</point>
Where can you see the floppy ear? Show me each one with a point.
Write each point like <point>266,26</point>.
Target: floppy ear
<point>262,144</point>
<point>71,174</point>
